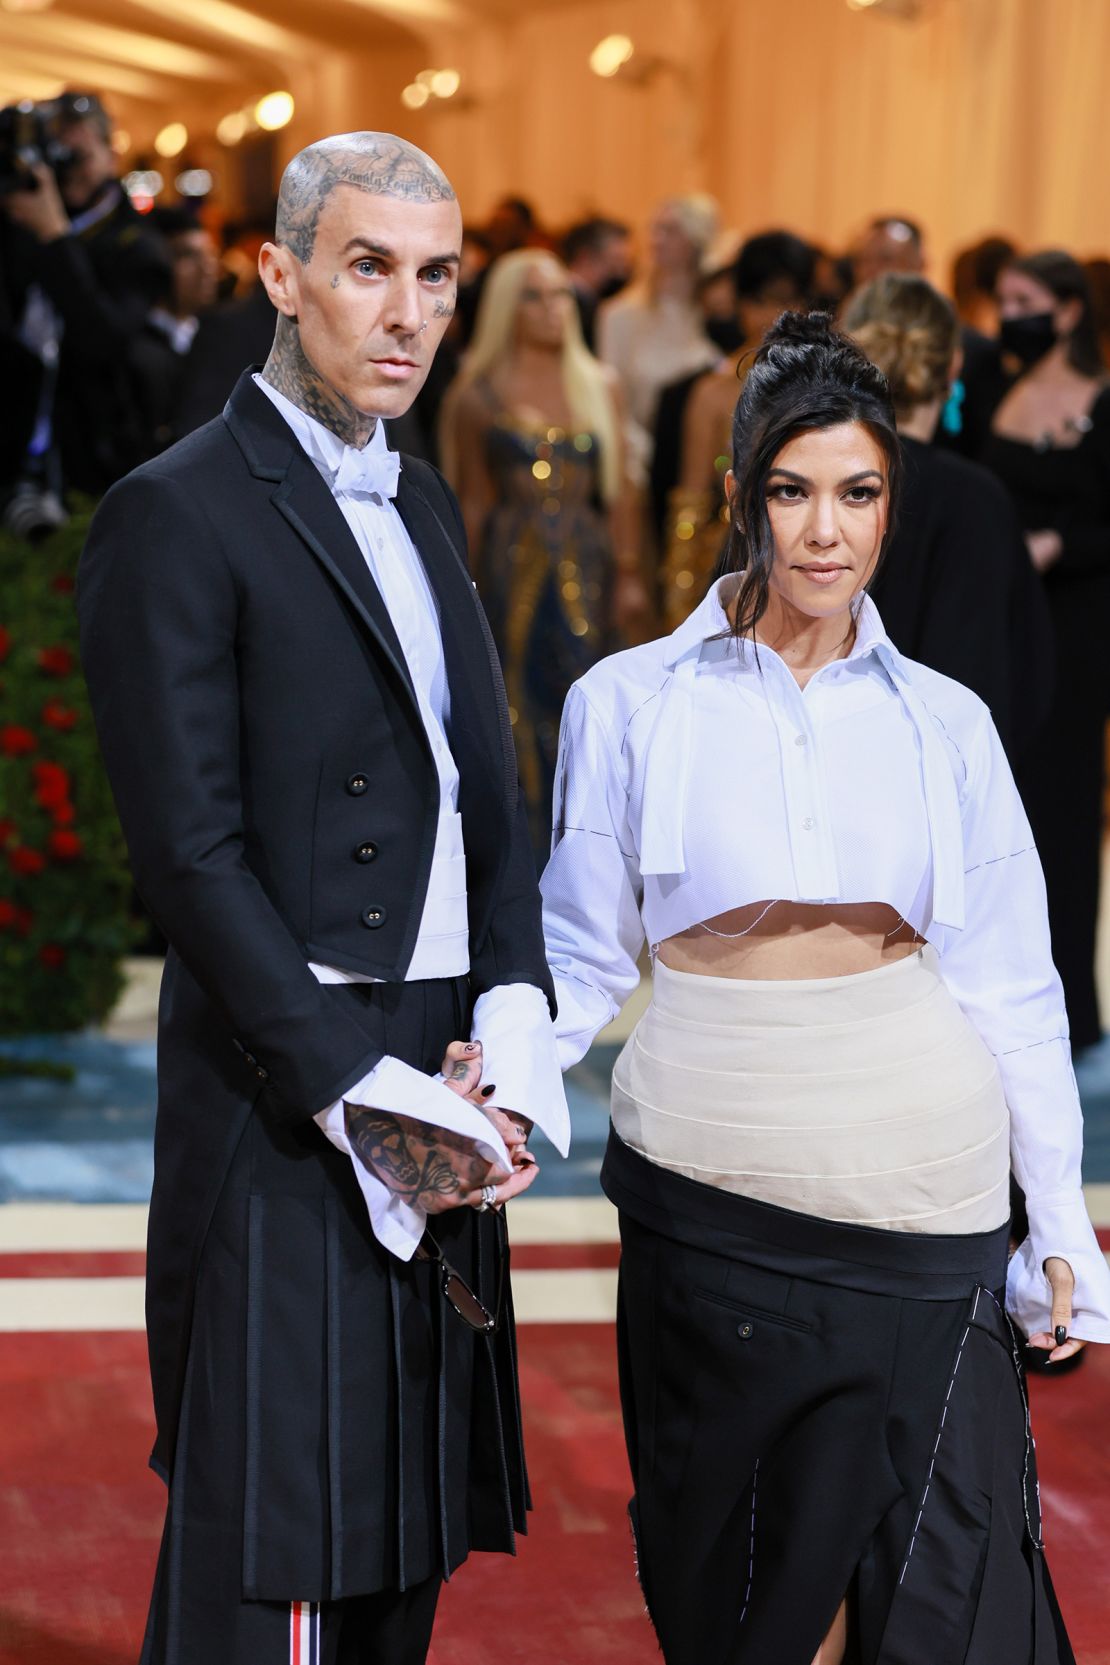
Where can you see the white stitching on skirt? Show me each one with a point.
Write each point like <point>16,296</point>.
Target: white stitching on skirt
<point>940,1431</point>
<point>751,1548</point>
<point>1036,1534</point>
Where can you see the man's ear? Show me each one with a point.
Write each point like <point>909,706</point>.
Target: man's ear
<point>278,269</point>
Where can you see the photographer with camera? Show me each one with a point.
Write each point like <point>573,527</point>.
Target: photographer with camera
<point>80,270</point>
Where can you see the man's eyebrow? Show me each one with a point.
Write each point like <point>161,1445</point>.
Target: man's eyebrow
<point>849,480</point>
<point>384,252</point>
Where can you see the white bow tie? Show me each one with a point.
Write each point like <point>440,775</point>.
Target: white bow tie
<point>372,472</point>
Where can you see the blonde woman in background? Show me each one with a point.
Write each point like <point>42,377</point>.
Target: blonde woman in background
<point>531,440</point>
<point>654,332</point>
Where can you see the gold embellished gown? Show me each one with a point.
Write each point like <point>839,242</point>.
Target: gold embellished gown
<point>545,573</point>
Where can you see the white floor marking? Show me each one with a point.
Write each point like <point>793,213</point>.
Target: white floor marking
<point>581,1296</point>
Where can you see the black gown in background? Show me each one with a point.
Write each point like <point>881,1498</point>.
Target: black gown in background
<point>957,591</point>
<point>1067,489</point>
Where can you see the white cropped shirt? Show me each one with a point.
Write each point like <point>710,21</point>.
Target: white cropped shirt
<point>696,776</point>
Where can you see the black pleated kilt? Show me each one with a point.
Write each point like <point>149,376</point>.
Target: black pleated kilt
<point>814,1409</point>
<point>342,1431</point>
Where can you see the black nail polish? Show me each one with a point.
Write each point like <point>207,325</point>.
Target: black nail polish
<point>486,1091</point>
<point>1061,1333</point>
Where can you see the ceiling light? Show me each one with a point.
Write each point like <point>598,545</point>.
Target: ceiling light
<point>171,141</point>
<point>445,83</point>
<point>231,128</point>
<point>25,5</point>
<point>274,111</point>
<point>415,96</point>
<point>611,54</point>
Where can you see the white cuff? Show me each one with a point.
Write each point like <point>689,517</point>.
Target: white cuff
<point>1060,1228</point>
<point>403,1091</point>
<point>519,1056</point>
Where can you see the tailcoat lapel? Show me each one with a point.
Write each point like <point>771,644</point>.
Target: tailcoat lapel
<point>303,499</point>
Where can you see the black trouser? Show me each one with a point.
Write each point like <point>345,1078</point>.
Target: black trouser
<point>215,1627</point>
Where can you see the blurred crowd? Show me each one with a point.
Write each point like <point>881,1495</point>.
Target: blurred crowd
<point>582,407</point>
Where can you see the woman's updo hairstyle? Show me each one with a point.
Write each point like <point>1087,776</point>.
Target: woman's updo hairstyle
<point>910,331</point>
<point>806,375</point>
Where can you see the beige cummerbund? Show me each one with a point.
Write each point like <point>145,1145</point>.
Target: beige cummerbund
<point>867,1098</point>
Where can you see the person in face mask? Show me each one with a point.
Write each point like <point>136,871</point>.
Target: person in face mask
<point>1049,442</point>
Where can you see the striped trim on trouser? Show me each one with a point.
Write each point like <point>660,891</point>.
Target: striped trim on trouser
<point>304,1633</point>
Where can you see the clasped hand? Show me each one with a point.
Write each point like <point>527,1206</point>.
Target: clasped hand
<point>431,1167</point>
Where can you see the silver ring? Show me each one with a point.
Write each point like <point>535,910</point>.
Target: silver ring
<point>489,1197</point>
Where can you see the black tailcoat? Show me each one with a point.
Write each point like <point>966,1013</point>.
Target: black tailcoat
<point>280,800</point>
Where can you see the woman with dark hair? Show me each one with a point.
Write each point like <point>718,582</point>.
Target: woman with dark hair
<point>957,589</point>
<point>855,1026</point>
<point>1049,443</point>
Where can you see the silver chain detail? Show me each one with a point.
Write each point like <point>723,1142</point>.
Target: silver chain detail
<point>734,936</point>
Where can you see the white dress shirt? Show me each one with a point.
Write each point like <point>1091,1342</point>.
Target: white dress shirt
<point>512,1022</point>
<point>696,776</point>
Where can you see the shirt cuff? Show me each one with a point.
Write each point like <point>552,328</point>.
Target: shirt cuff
<point>520,1057</point>
<point>1060,1227</point>
<point>398,1088</point>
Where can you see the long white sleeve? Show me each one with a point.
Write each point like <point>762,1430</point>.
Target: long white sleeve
<point>591,885</point>
<point>999,968</point>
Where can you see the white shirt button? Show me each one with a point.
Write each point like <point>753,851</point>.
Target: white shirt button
<point>799,739</point>
<point>809,823</point>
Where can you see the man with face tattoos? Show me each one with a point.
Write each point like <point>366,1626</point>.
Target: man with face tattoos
<point>306,731</point>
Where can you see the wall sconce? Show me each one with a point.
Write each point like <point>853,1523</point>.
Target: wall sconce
<point>616,58</point>
<point>431,85</point>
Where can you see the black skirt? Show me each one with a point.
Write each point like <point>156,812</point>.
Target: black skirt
<point>814,1410</point>
<point>342,1431</point>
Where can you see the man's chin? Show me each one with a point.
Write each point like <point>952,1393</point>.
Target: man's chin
<point>388,399</point>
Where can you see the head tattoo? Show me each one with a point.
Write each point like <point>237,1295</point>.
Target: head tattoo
<point>378,163</point>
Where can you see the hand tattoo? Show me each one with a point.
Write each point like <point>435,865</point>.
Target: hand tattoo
<point>290,371</point>
<point>377,163</point>
<point>409,1157</point>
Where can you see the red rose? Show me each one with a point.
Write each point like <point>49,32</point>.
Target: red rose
<point>5,643</point>
<point>63,584</point>
<point>16,741</point>
<point>64,846</point>
<point>26,862</point>
<point>7,913</point>
<point>59,716</point>
<point>55,661</point>
<point>52,956</point>
<point>51,784</point>
<point>24,919</point>
<point>63,815</point>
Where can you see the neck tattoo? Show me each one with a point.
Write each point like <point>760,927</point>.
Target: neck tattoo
<point>289,371</point>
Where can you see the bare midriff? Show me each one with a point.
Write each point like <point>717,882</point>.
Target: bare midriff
<point>792,940</point>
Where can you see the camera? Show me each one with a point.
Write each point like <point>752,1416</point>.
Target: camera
<point>30,133</point>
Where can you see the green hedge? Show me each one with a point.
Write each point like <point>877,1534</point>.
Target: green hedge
<point>64,886</point>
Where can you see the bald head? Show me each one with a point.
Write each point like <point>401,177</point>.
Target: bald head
<point>380,164</point>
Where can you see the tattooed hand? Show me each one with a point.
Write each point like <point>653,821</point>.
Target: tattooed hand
<point>429,1167</point>
<point>462,1068</point>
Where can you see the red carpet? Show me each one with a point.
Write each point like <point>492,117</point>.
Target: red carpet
<point>80,1514</point>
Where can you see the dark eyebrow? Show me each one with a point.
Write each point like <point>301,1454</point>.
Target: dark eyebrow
<point>851,480</point>
<point>385,253</point>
